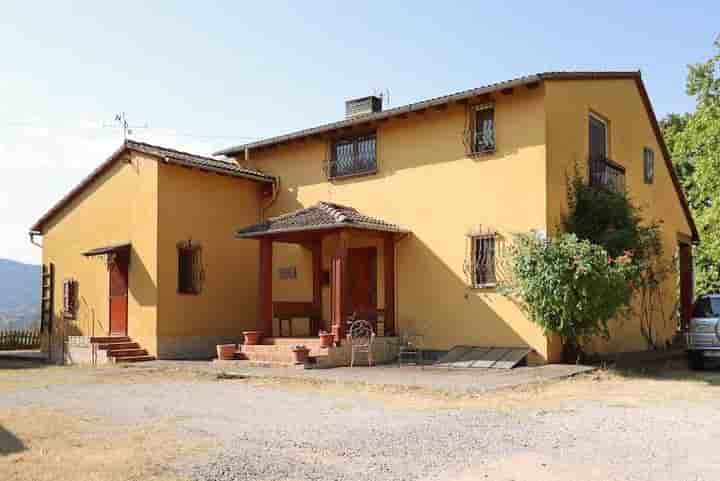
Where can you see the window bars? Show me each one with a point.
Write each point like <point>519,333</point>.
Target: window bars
<point>479,136</point>
<point>69,298</point>
<point>480,261</point>
<point>352,156</point>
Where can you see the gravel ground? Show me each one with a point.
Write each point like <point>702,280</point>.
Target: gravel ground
<point>593,427</point>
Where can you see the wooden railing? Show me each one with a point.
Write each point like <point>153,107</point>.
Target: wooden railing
<point>26,339</point>
<point>607,174</point>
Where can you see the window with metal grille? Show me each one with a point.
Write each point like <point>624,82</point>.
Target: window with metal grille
<point>69,298</point>
<point>352,156</point>
<point>190,270</point>
<point>482,268</point>
<point>649,165</point>
<point>484,129</point>
<point>598,138</point>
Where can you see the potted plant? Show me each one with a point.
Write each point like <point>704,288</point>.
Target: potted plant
<point>252,337</point>
<point>326,339</point>
<point>226,352</point>
<point>301,354</point>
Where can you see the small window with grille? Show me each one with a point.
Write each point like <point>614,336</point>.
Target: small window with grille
<point>482,262</point>
<point>353,156</point>
<point>70,298</point>
<point>649,165</point>
<point>190,270</point>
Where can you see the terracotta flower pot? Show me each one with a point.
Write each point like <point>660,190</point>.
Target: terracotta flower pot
<point>326,339</point>
<point>301,355</point>
<point>252,337</point>
<point>226,352</point>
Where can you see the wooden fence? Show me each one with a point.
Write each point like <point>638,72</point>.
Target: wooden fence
<point>12,340</point>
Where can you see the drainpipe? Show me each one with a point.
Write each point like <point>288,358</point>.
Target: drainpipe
<point>34,233</point>
<point>275,188</point>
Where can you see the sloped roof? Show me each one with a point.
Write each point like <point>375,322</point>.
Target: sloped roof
<point>495,87</point>
<point>162,154</point>
<point>321,216</point>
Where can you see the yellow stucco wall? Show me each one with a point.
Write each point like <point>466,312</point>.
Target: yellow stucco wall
<point>427,183</point>
<point>568,104</point>
<point>205,208</point>
<point>120,206</point>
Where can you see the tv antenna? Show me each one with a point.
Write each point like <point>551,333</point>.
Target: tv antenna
<point>384,95</point>
<point>121,121</point>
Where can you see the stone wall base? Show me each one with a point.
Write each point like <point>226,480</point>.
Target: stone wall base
<point>192,347</point>
<point>79,350</point>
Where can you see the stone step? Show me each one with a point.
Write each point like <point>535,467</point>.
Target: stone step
<point>127,352</point>
<point>119,345</point>
<point>108,339</point>
<point>133,358</point>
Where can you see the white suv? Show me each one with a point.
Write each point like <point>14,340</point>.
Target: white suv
<point>703,336</point>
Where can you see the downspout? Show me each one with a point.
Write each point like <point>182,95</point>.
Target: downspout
<point>275,189</point>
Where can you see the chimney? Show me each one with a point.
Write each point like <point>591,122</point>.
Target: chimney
<point>363,106</point>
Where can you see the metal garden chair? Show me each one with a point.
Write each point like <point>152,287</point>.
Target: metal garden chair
<point>361,337</point>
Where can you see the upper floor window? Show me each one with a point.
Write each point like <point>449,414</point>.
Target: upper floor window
<point>190,271</point>
<point>354,155</point>
<point>649,165</point>
<point>483,129</point>
<point>598,137</point>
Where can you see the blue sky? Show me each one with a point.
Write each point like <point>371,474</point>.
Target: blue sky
<point>205,75</point>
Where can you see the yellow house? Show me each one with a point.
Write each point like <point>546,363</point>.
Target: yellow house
<point>395,216</point>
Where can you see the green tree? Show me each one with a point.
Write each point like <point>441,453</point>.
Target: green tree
<point>694,142</point>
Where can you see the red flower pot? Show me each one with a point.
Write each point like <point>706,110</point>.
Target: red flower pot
<point>252,337</point>
<point>326,339</point>
<point>301,355</point>
<point>226,352</point>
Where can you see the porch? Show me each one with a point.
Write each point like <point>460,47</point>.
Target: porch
<point>353,277</point>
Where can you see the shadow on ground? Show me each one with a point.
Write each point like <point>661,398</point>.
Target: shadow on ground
<point>11,363</point>
<point>675,369</point>
<point>9,443</point>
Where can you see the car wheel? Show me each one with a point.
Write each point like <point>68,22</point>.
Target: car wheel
<point>696,360</point>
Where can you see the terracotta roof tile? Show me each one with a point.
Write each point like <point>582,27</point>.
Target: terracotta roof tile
<point>323,215</point>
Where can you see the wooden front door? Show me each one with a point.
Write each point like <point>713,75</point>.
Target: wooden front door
<point>118,269</point>
<point>686,284</point>
<point>362,282</point>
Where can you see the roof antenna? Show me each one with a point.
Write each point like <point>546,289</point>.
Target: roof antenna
<point>121,121</point>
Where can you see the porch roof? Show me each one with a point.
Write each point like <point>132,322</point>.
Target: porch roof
<point>98,251</point>
<point>321,216</point>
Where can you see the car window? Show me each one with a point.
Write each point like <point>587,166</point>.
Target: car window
<point>707,307</point>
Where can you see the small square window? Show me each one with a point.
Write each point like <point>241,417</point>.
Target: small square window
<point>482,262</point>
<point>190,271</point>
<point>649,165</point>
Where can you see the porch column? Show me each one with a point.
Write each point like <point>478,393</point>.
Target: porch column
<point>389,274</point>
<point>317,282</point>
<point>338,287</point>
<point>265,310</point>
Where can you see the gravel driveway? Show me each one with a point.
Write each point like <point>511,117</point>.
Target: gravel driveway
<point>592,427</point>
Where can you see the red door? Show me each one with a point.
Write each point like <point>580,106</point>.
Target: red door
<point>686,284</point>
<point>362,282</point>
<point>118,269</point>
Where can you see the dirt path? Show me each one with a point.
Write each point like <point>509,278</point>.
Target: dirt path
<point>170,423</point>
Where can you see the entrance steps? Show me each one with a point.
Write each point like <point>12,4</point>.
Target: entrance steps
<point>121,349</point>
<point>277,351</point>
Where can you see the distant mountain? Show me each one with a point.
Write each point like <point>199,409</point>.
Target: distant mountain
<point>19,294</point>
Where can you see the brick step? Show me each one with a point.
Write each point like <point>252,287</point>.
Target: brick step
<point>108,339</point>
<point>119,345</point>
<point>133,358</point>
<point>291,341</point>
<point>127,352</point>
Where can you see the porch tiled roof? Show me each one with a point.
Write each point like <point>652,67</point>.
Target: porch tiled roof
<point>323,215</point>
